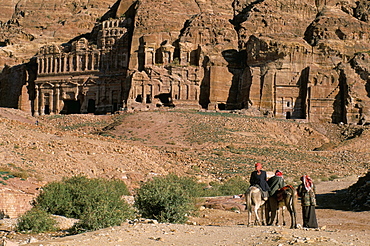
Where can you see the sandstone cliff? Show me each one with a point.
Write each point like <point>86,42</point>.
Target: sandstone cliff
<point>27,25</point>
<point>287,59</point>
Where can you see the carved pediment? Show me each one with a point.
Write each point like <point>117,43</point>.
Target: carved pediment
<point>140,76</point>
<point>71,84</point>
<point>89,82</point>
<point>46,86</point>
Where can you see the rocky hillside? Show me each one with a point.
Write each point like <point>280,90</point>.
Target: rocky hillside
<point>209,146</point>
<point>134,147</point>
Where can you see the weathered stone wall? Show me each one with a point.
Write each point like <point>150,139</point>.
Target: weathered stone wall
<point>15,203</point>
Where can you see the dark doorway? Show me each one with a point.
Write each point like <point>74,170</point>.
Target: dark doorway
<point>115,107</point>
<point>139,98</point>
<point>288,116</point>
<point>71,107</point>
<point>221,106</point>
<point>165,99</point>
<point>91,106</point>
<point>47,109</point>
<point>148,99</point>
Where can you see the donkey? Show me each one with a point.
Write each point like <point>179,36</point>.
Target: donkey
<point>286,197</point>
<point>253,198</point>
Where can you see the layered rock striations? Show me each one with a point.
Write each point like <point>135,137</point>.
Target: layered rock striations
<point>285,59</point>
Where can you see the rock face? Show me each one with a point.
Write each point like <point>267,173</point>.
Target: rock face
<point>286,59</point>
<point>359,194</point>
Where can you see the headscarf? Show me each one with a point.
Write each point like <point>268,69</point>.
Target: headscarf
<point>307,182</point>
<point>258,167</point>
<point>279,173</point>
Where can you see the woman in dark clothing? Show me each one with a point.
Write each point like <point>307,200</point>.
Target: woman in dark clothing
<point>276,182</point>
<point>259,178</point>
<point>306,190</point>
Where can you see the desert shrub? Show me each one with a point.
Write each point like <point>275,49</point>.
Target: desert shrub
<point>97,203</point>
<point>167,199</point>
<point>36,221</point>
<point>233,186</point>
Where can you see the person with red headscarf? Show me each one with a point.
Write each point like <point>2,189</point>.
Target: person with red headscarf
<point>306,190</point>
<point>276,182</point>
<point>259,178</point>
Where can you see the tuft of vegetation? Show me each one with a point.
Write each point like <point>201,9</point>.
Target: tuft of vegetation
<point>9,172</point>
<point>171,198</point>
<point>167,199</point>
<point>97,203</point>
<point>36,221</point>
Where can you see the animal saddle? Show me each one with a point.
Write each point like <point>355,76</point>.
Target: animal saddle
<point>280,192</point>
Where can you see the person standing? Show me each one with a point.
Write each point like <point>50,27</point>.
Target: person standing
<point>306,190</point>
<point>259,178</point>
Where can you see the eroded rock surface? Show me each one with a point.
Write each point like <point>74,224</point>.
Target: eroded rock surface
<point>286,59</point>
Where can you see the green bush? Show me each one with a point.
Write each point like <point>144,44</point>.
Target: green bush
<point>167,199</point>
<point>36,221</point>
<point>97,203</point>
<point>233,186</point>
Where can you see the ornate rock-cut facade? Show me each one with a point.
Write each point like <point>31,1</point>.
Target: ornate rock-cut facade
<point>84,77</point>
<point>285,59</point>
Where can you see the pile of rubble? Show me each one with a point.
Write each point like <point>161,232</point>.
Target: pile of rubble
<point>359,194</point>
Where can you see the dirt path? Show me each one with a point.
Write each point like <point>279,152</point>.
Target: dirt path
<point>219,227</point>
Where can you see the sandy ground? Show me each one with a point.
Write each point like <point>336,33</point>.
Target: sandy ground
<point>219,227</point>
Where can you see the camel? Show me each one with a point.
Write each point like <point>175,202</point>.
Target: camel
<point>253,198</point>
<point>286,197</point>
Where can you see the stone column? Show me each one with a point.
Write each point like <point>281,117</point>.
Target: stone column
<point>143,93</point>
<point>56,64</point>
<point>64,63</point>
<point>60,64</point>
<point>44,64</point>
<point>39,63</point>
<point>47,64</point>
<point>51,64</point>
<point>92,61</point>
<point>70,61</point>
<point>42,103</point>
<point>57,98</point>
<point>87,61</point>
<point>78,63</point>
<point>36,103</point>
